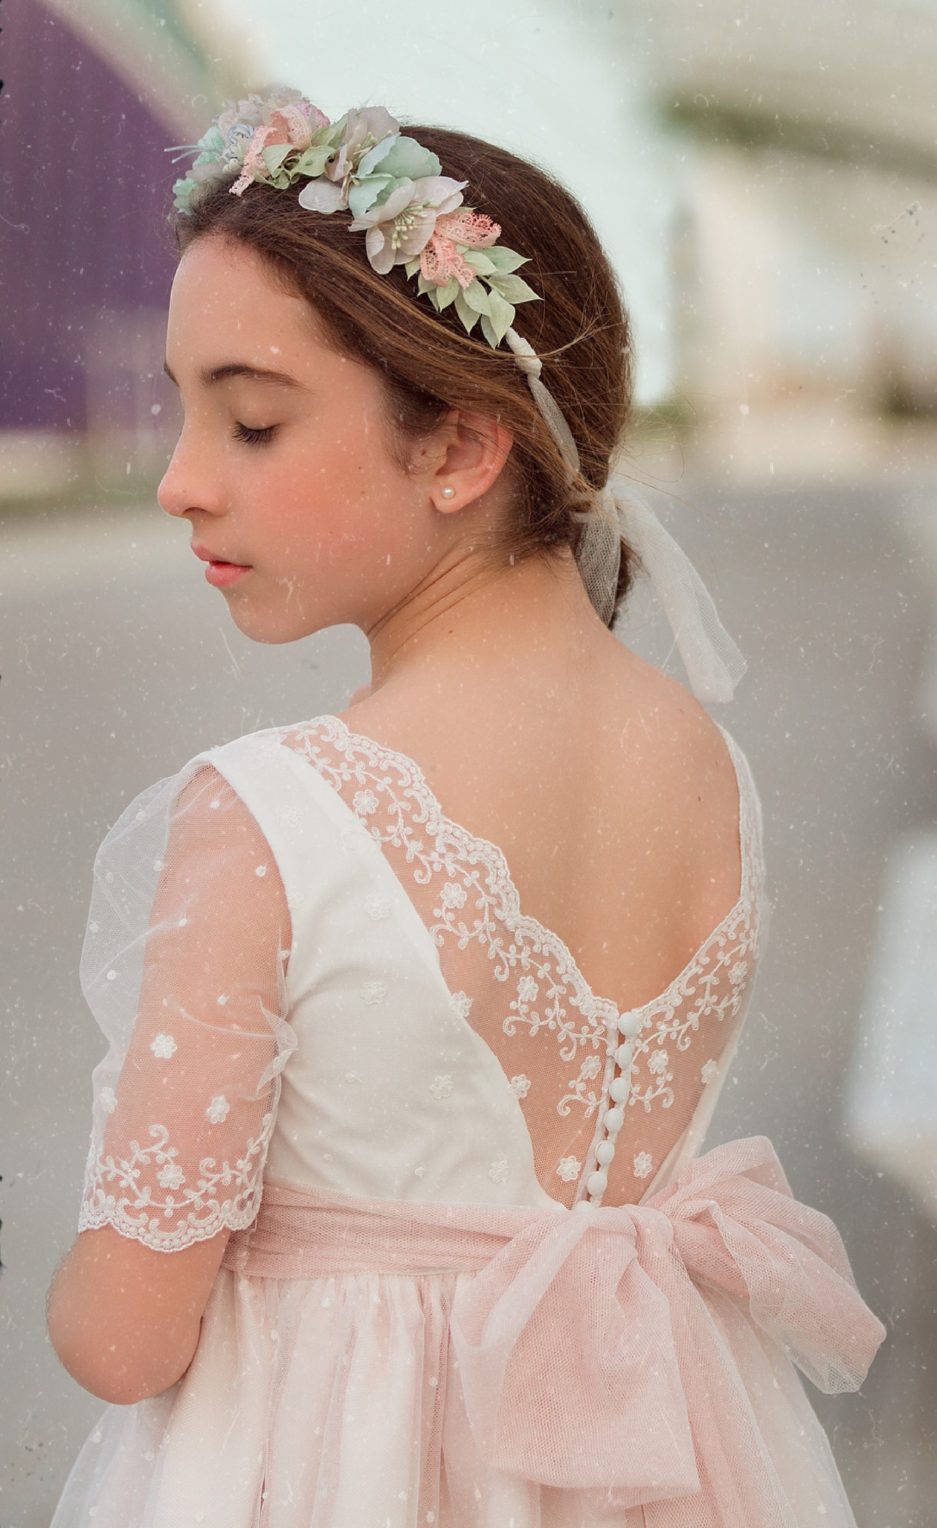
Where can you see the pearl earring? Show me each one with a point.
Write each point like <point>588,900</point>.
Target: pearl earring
<point>448,492</point>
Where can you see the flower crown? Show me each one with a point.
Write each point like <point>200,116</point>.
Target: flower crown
<point>411,214</point>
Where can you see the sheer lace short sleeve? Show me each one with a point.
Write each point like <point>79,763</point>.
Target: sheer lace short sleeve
<point>184,967</point>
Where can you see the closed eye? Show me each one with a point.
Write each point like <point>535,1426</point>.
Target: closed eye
<point>253,437</point>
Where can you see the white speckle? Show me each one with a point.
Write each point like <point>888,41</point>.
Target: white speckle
<point>643,1163</point>
<point>163,1046</point>
<point>218,1109</point>
<point>260,870</point>
<point>568,1168</point>
<point>221,999</point>
<point>112,976</point>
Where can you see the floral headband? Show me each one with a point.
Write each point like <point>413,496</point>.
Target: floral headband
<point>411,214</point>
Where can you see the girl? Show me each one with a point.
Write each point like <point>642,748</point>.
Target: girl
<point>394,1211</point>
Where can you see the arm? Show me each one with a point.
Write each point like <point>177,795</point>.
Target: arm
<point>188,985</point>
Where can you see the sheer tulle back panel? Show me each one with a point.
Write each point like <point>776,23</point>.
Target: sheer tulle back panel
<point>562,1047</point>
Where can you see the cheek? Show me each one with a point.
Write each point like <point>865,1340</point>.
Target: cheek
<point>323,510</point>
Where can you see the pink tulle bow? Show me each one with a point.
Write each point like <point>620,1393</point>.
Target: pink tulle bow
<point>589,1353</point>
<point>581,1355</point>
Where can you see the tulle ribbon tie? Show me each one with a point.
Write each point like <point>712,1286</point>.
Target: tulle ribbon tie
<point>586,1355</point>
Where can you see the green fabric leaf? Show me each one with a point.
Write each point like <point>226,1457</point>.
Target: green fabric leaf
<point>478,260</point>
<point>514,288</point>
<point>469,319</point>
<point>476,297</point>
<point>498,320</point>
<point>274,155</point>
<point>448,293</point>
<point>312,161</point>
<point>505,259</point>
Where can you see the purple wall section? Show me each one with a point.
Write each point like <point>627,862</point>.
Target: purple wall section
<point>85,186</point>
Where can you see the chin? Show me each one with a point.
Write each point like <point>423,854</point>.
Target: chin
<point>272,628</point>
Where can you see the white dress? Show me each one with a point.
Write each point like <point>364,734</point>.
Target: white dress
<point>321,995</point>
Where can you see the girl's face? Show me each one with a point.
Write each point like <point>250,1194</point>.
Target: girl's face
<point>295,479</point>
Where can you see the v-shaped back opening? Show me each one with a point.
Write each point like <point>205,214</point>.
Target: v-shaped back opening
<point>495,858</point>
<point>515,982</point>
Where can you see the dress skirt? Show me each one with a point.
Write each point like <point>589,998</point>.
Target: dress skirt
<point>392,1364</point>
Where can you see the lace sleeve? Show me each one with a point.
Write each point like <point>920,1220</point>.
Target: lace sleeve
<point>183,966</point>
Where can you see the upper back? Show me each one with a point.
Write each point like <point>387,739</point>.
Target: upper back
<point>574,871</point>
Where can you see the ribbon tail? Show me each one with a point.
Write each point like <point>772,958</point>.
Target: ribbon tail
<point>713,661</point>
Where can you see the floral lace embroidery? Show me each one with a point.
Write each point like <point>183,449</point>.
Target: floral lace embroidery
<point>549,978</point>
<point>206,1216</point>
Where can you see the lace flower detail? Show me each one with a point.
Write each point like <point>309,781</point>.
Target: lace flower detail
<point>568,1169</point>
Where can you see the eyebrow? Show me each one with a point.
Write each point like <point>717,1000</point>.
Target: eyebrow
<point>212,374</point>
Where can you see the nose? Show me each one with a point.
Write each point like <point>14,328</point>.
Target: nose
<point>185,484</point>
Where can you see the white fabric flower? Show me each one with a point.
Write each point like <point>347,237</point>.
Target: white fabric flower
<point>218,1109</point>
<point>171,1176</point>
<point>568,1168</point>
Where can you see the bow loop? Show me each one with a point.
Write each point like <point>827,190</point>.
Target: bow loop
<point>585,1345</point>
<point>565,1350</point>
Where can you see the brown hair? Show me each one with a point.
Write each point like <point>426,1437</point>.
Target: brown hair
<point>428,363</point>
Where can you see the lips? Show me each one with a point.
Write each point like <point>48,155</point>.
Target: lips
<point>207,556</point>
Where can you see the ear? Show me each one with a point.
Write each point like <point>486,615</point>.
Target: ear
<point>467,453</point>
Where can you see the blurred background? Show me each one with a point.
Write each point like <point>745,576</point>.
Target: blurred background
<point>765,183</point>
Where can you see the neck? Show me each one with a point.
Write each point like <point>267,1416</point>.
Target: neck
<point>470,622</point>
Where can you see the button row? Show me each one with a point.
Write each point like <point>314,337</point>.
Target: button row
<point>626,1024</point>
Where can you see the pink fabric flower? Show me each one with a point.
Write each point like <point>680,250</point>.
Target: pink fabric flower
<point>288,124</point>
<point>441,260</point>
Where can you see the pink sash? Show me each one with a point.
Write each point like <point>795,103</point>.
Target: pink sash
<point>586,1352</point>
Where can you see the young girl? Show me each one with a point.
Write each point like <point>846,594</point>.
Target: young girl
<point>394,1211</point>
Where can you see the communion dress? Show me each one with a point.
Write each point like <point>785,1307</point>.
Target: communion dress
<point>480,1274</point>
